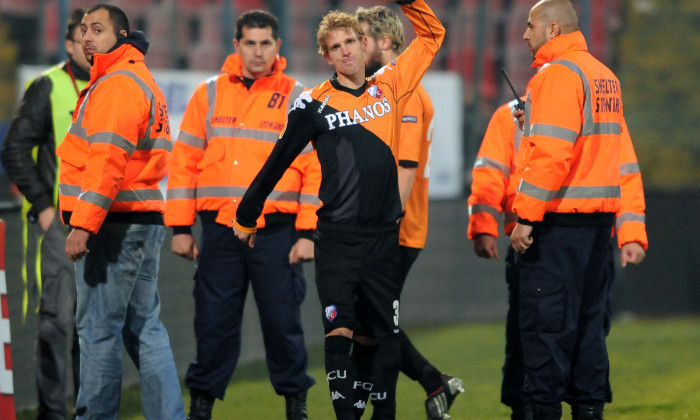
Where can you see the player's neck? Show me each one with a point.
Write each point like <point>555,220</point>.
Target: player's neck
<point>351,81</point>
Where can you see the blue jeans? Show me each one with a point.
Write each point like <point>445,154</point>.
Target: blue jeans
<point>118,303</point>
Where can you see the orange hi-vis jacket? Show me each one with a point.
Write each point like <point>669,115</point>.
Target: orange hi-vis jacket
<point>415,138</point>
<point>492,190</point>
<point>118,146</point>
<point>226,135</point>
<point>493,182</point>
<point>630,223</point>
<point>569,154</point>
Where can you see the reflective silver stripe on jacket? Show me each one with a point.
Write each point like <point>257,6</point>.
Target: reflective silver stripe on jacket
<point>629,217</point>
<point>487,162</point>
<point>484,208</point>
<point>114,139</point>
<point>181,193</point>
<point>226,192</point>
<point>126,196</point>
<point>569,192</point>
<point>230,191</point>
<point>248,133</point>
<point>310,199</point>
<point>192,140</point>
<point>211,100</point>
<point>629,168</point>
<point>554,131</point>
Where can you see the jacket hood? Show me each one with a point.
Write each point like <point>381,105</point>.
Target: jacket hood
<point>234,65</point>
<point>135,38</point>
<point>558,46</point>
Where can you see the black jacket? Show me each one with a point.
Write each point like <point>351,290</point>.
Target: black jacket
<point>33,126</point>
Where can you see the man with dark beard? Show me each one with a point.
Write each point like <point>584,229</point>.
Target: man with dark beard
<point>385,37</point>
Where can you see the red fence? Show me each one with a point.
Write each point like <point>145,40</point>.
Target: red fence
<point>7,402</point>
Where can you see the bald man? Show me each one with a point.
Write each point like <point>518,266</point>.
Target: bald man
<point>568,173</point>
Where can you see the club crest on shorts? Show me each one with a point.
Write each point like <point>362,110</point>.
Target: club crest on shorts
<point>331,312</point>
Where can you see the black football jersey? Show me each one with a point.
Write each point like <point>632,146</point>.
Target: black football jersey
<point>355,133</point>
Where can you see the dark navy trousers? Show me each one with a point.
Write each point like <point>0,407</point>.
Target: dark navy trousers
<point>564,315</point>
<point>225,268</point>
<point>512,384</point>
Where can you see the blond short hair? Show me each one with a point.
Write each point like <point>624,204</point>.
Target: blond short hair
<point>336,20</point>
<point>382,21</point>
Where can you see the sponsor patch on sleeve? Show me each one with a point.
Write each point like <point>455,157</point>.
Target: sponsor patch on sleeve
<point>409,119</point>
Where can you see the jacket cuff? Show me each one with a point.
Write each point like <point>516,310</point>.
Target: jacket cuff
<point>307,234</point>
<point>178,230</point>
<point>242,228</point>
<point>525,222</point>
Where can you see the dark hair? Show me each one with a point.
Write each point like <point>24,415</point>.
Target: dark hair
<point>256,19</point>
<point>116,15</point>
<point>74,20</point>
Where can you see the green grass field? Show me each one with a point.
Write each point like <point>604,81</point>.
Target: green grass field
<point>655,374</point>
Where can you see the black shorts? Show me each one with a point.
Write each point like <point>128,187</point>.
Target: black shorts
<point>358,279</point>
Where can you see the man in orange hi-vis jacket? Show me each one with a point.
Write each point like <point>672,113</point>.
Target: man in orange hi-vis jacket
<point>354,122</point>
<point>230,126</point>
<point>114,155</point>
<point>493,191</point>
<point>569,192</point>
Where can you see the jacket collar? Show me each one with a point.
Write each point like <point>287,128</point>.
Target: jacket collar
<point>553,49</point>
<point>234,66</point>
<point>131,48</point>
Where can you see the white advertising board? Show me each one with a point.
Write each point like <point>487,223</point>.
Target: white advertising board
<point>444,88</point>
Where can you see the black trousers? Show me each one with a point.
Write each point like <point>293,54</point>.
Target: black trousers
<point>564,314</point>
<point>226,268</point>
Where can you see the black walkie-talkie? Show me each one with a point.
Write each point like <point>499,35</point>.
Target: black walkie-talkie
<point>521,104</point>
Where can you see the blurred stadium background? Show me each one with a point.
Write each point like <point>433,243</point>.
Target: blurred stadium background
<point>653,46</point>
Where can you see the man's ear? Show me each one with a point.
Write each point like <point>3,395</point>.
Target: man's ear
<point>554,30</point>
<point>385,43</point>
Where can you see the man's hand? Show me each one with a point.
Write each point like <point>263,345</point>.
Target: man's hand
<point>76,244</point>
<point>46,218</point>
<point>485,246</point>
<point>248,238</point>
<point>520,239</point>
<point>631,252</point>
<point>302,251</point>
<point>519,114</point>
<point>184,245</point>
